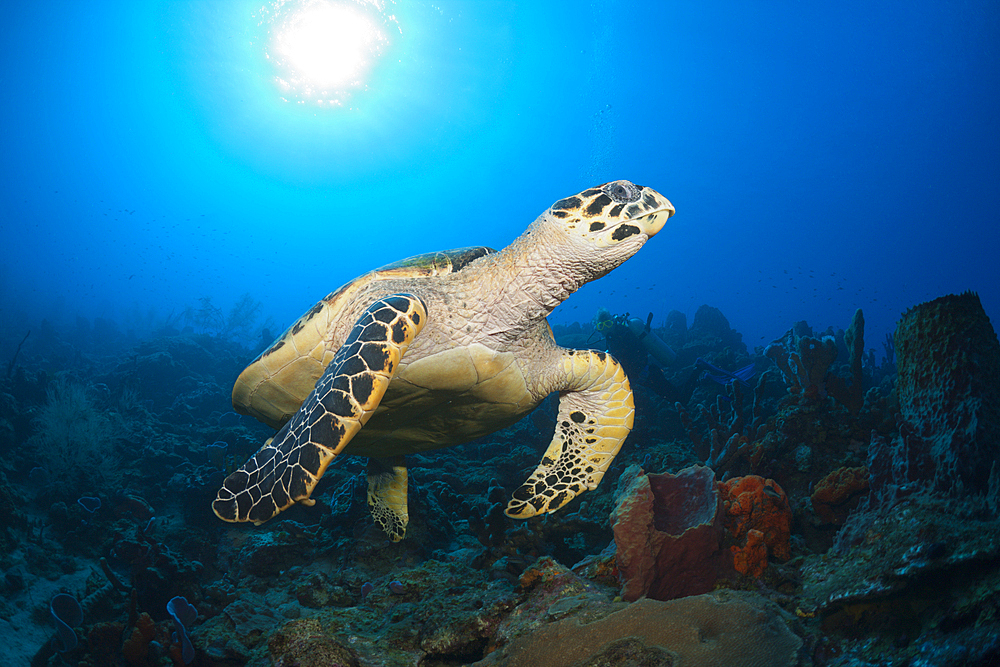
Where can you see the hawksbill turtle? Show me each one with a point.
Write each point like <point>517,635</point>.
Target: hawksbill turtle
<point>442,348</point>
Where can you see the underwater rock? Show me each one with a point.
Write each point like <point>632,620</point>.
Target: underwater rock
<point>490,529</point>
<point>446,615</point>
<point>164,363</point>
<point>248,617</point>
<point>230,419</point>
<point>157,365</point>
<point>464,635</point>
<point>267,554</point>
<point>313,591</point>
<point>668,530</point>
<point>710,323</point>
<point>548,590</point>
<point>725,628</point>
<point>674,331</point>
<point>194,399</point>
<point>923,568</point>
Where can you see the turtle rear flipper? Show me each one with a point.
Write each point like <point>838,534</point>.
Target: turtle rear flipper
<point>287,468</point>
<point>595,415</point>
<point>387,481</point>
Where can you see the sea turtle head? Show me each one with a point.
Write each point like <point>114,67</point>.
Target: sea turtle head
<point>607,224</point>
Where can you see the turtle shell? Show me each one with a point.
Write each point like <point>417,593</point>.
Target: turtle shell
<point>276,383</point>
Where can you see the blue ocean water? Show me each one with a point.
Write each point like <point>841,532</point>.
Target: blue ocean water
<point>822,157</point>
<point>182,179</point>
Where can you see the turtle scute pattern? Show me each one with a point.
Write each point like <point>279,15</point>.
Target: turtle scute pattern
<point>286,469</point>
<point>592,424</point>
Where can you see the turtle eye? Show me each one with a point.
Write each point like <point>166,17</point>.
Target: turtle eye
<point>622,192</point>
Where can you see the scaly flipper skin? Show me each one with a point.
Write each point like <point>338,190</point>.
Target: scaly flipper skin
<point>387,496</point>
<point>595,416</point>
<point>288,467</point>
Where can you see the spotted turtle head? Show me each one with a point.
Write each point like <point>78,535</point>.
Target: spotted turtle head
<point>616,213</point>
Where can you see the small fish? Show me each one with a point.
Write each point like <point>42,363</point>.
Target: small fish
<point>722,376</point>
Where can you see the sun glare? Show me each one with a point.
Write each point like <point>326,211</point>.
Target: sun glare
<point>324,48</point>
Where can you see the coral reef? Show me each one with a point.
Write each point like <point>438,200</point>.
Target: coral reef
<point>850,394</point>
<point>931,510</point>
<point>184,614</point>
<point>68,614</point>
<point>75,439</point>
<point>136,648</point>
<point>852,521</point>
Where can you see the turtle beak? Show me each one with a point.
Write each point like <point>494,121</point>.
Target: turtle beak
<point>658,210</point>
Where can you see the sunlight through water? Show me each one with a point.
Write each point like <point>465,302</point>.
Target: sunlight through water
<point>323,50</point>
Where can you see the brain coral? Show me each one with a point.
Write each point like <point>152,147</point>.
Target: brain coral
<point>726,628</point>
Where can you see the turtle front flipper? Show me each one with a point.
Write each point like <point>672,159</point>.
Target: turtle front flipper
<point>287,468</point>
<point>595,416</point>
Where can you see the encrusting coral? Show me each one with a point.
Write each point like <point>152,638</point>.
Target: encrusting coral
<point>838,493</point>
